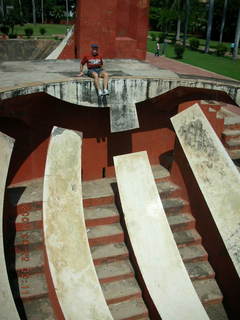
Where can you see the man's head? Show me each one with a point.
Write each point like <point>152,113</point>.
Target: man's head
<point>94,49</point>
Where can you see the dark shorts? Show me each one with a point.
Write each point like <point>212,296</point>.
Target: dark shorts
<point>97,70</point>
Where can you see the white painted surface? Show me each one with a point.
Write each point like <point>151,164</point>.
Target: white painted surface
<point>8,308</point>
<point>57,51</point>
<point>154,246</point>
<point>73,273</point>
<point>217,176</point>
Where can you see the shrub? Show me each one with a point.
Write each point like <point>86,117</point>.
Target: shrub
<point>221,49</point>
<point>4,29</point>
<point>153,36</point>
<point>12,36</point>
<point>179,50</point>
<point>42,31</point>
<point>194,43</point>
<point>28,32</point>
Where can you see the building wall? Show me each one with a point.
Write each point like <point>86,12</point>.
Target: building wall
<point>119,27</point>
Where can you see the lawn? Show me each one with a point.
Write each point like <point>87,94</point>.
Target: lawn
<point>51,29</point>
<point>221,65</point>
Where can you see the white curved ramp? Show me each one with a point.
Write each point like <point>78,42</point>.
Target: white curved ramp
<point>57,51</point>
<point>71,266</point>
<point>8,308</point>
<point>155,249</point>
<point>217,176</point>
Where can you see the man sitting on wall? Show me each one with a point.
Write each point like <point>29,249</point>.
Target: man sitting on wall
<point>94,64</point>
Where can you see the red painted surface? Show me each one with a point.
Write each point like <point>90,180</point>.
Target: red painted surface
<point>119,27</point>
<point>69,50</point>
<point>31,128</point>
<point>29,119</point>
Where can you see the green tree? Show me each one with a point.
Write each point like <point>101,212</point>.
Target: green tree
<point>34,12</point>
<point>209,26</point>
<point>57,13</point>
<point>223,20</point>
<point>237,37</point>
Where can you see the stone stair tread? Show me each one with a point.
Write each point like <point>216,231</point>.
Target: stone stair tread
<point>99,212</point>
<point>35,260</point>
<point>231,132</point>
<point>166,186</point>
<point>102,187</point>
<point>216,311</point>
<point>207,290</point>
<point>173,202</point>
<point>200,269</point>
<point>128,309</point>
<point>26,192</point>
<point>225,112</point>
<point>32,217</point>
<point>33,285</point>
<point>232,120</point>
<point>180,218</point>
<point>31,236</point>
<point>192,253</point>
<point>122,288</point>
<point>186,236</point>
<point>113,269</point>
<point>97,188</point>
<point>233,142</point>
<point>159,172</point>
<point>41,307</point>
<point>234,154</point>
<point>104,230</point>
<point>109,250</point>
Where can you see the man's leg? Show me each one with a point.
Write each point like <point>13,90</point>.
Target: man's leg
<point>105,77</point>
<point>96,80</point>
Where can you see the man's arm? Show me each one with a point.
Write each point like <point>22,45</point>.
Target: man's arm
<point>81,67</point>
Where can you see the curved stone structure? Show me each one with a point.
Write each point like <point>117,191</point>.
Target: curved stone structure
<point>153,244</point>
<point>123,90</point>
<point>72,270</point>
<point>217,176</point>
<point>8,308</point>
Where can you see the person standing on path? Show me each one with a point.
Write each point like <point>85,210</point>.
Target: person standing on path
<point>95,69</point>
<point>157,52</point>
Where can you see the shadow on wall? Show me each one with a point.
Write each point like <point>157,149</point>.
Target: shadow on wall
<point>30,118</point>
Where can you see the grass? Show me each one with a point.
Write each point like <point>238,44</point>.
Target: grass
<point>213,44</point>
<point>221,65</point>
<point>51,29</point>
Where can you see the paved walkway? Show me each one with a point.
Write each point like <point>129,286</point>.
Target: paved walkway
<point>181,68</point>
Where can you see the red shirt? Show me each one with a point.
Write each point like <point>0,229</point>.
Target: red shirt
<point>92,61</point>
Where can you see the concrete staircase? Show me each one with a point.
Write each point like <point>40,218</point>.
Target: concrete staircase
<point>110,253</point>
<point>111,257</point>
<point>231,132</point>
<point>231,136</point>
<point>26,255</point>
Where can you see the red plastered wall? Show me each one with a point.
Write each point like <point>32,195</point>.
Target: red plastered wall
<point>119,27</point>
<point>69,50</point>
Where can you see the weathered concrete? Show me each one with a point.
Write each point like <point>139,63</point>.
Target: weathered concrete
<point>81,91</point>
<point>8,308</point>
<point>217,176</point>
<point>73,273</point>
<point>19,49</point>
<point>162,268</point>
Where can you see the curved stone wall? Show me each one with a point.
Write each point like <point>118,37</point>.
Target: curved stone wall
<point>123,90</point>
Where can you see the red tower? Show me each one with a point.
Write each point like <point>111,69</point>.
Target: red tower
<point>119,27</point>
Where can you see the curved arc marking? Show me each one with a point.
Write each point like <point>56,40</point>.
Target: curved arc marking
<point>153,244</point>
<point>8,308</point>
<point>71,266</point>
